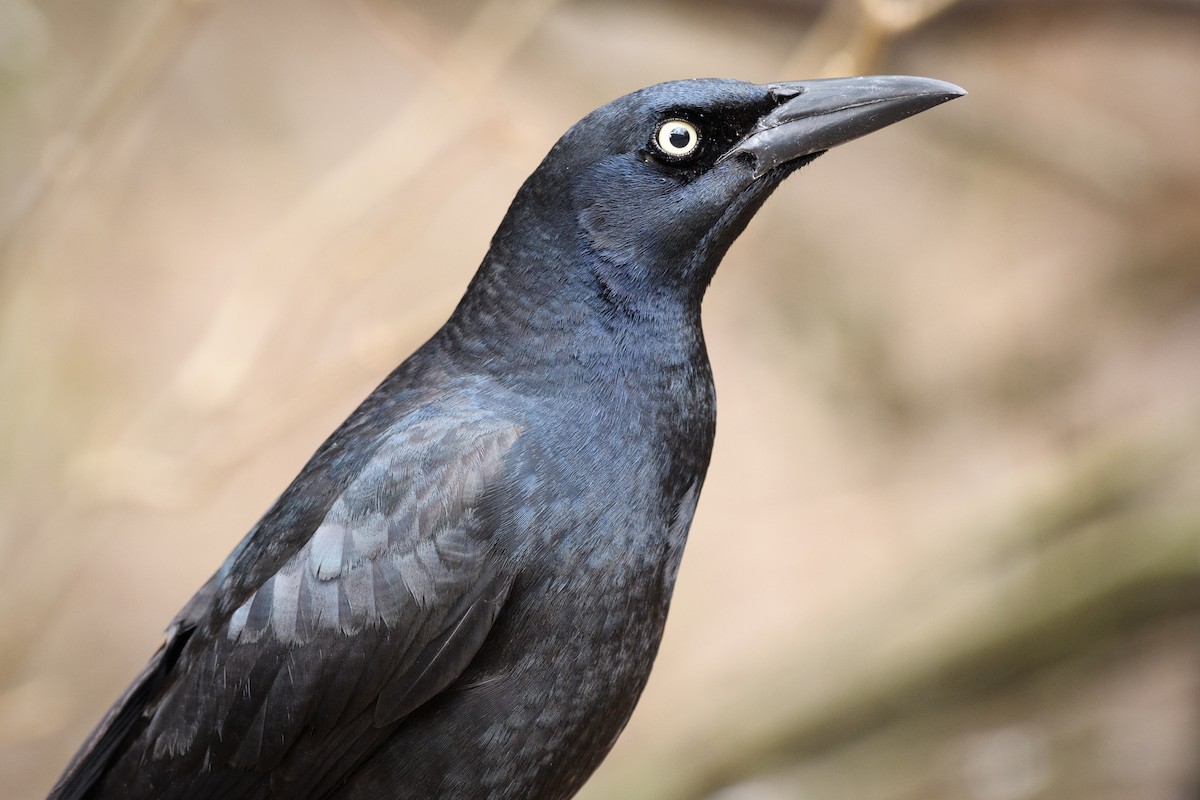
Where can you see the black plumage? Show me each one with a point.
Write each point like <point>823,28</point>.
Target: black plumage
<point>461,594</point>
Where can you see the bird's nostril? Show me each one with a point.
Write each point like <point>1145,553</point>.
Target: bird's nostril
<point>782,92</point>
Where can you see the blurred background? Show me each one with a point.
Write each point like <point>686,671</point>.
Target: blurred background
<point>950,542</point>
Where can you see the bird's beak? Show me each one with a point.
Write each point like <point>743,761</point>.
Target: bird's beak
<point>819,114</point>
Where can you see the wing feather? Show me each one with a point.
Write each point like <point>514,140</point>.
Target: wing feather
<point>291,681</point>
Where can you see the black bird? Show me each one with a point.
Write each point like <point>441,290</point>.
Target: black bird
<point>462,593</point>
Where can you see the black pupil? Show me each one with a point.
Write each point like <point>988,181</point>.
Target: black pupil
<point>679,137</point>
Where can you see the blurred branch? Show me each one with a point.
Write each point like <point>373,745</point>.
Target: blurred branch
<point>140,464</point>
<point>220,361</point>
<point>850,36</point>
<point>1113,547</point>
<point>32,305</point>
<point>417,138</point>
<point>35,310</point>
<point>1063,139</point>
<point>120,87</point>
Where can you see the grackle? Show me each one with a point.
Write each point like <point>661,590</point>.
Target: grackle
<point>462,593</point>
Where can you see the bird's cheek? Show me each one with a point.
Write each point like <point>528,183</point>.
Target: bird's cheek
<point>608,233</point>
<point>637,245</point>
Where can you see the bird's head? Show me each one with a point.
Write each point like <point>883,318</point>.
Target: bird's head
<point>644,195</point>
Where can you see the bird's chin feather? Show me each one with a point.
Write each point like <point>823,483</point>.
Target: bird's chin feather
<point>733,221</point>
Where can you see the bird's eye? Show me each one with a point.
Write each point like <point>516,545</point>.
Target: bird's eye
<point>677,138</point>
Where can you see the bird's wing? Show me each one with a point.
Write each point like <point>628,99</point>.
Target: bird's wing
<point>94,755</point>
<point>379,609</point>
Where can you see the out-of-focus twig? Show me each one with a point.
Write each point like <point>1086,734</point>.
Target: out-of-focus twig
<point>35,312</point>
<point>138,464</point>
<point>1111,547</point>
<point>119,88</point>
<point>421,133</point>
<point>850,37</point>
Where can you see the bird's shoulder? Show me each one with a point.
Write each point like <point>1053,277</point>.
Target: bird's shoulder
<point>386,492</point>
<point>365,590</point>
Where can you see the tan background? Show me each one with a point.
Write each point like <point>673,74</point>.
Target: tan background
<point>950,540</point>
